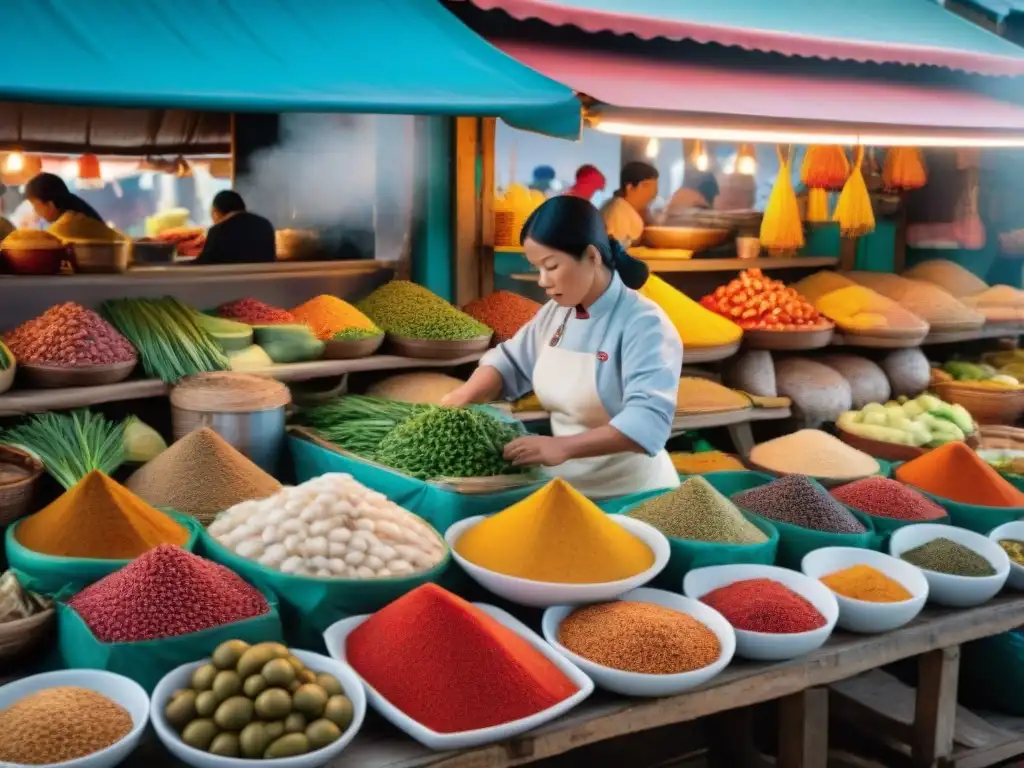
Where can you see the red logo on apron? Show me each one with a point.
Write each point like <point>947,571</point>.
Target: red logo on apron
<point>602,356</point>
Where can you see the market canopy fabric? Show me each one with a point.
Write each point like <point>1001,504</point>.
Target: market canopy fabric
<point>384,56</point>
<point>914,32</point>
<point>710,96</point>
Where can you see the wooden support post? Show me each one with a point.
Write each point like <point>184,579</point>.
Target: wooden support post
<point>935,709</point>
<point>488,126</point>
<point>466,211</point>
<point>848,253</point>
<point>803,729</point>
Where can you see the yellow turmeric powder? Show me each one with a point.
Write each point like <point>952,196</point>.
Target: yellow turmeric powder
<point>862,582</point>
<point>98,518</point>
<point>555,535</point>
<point>328,315</point>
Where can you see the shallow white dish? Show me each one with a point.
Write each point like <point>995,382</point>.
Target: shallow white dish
<point>1015,531</point>
<point>638,684</point>
<point>117,688</point>
<point>178,678</point>
<point>336,637</point>
<point>945,588</point>
<point>769,646</point>
<point>863,615</point>
<point>542,594</point>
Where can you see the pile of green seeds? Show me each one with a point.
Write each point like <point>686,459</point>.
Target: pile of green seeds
<point>411,311</point>
<point>946,556</point>
<point>695,510</point>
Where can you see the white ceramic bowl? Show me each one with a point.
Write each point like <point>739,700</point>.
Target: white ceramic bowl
<point>947,589</point>
<point>117,688</point>
<point>769,646</point>
<point>542,594</point>
<point>178,678</point>
<point>1015,531</point>
<point>863,615</point>
<point>336,637</point>
<point>638,684</point>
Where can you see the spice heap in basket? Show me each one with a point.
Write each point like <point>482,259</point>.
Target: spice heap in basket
<point>698,327</point>
<point>957,473</point>
<point>254,312</point>
<point>797,500</point>
<point>331,318</point>
<point>69,336</point>
<point>504,311</point>
<point>697,511</point>
<point>259,702</point>
<point>924,422</point>
<point>814,453</point>
<point>410,311</point>
<point>857,309</point>
<point>756,302</point>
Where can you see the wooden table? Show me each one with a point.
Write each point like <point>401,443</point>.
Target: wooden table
<point>799,685</point>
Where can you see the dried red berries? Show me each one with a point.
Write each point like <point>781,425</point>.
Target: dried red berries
<point>165,593</point>
<point>69,336</point>
<point>255,312</point>
<point>504,312</point>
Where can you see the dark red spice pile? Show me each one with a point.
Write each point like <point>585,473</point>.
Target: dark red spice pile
<point>255,312</point>
<point>164,593</point>
<point>450,666</point>
<point>503,311</point>
<point>764,605</point>
<point>888,498</point>
<point>69,336</point>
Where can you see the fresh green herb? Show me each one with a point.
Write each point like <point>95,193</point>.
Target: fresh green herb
<point>71,445</point>
<point>358,423</point>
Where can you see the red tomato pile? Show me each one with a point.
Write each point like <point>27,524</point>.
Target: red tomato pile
<point>756,302</point>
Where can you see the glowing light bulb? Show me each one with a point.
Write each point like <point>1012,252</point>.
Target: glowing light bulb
<point>14,162</point>
<point>653,145</point>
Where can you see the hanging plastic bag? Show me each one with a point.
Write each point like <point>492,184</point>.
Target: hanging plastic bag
<point>854,213</point>
<point>781,228</point>
<point>968,228</point>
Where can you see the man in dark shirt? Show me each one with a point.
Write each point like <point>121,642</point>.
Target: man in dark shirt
<point>237,236</point>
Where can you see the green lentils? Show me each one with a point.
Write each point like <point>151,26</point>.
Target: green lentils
<point>449,442</point>
<point>411,311</point>
<point>946,556</point>
<point>356,334</point>
<point>696,510</point>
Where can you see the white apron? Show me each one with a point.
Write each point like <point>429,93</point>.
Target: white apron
<point>566,385</point>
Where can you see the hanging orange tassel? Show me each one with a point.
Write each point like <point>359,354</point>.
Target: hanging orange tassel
<point>825,167</point>
<point>781,228</point>
<point>817,206</point>
<point>904,169</point>
<point>853,211</point>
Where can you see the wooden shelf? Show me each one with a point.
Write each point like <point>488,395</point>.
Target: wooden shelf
<point>719,265</point>
<point>991,332</point>
<point>21,401</point>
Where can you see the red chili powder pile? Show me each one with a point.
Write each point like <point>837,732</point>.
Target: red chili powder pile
<point>255,312</point>
<point>887,498</point>
<point>164,593</point>
<point>764,605</point>
<point>955,472</point>
<point>450,666</point>
<point>503,311</point>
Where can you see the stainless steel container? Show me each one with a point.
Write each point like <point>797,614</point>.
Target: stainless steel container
<point>259,435</point>
<point>101,257</point>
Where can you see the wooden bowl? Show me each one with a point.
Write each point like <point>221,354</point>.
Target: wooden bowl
<point>879,448</point>
<point>437,350</point>
<point>880,339</point>
<point>57,377</point>
<point>685,238</point>
<point>16,497</point>
<point>34,261</point>
<point>350,349</point>
<point>22,635</point>
<point>791,340</point>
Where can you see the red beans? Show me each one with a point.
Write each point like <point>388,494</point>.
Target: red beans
<point>888,498</point>
<point>165,593</point>
<point>255,312</point>
<point>764,605</point>
<point>68,335</point>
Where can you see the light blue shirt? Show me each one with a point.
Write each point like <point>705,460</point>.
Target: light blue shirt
<point>638,382</point>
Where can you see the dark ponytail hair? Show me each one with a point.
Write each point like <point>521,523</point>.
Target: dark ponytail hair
<point>572,224</point>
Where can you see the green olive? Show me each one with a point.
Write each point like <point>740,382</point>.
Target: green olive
<point>278,672</point>
<point>330,684</point>
<point>234,714</point>
<point>181,710</point>
<point>253,740</point>
<point>252,661</point>
<point>227,654</point>
<point>273,704</point>
<point>206,703</point>
<point>295,723</point>
<point>339,711</point>
<point>226,745</point>
<point>274,730</point>
<point>310,700</point>
<point>202,678</point>
<point>289,745</point>
<point>321,733</point>
<point>199,733</point>
<point>254,685</point>
<point>226,684</point>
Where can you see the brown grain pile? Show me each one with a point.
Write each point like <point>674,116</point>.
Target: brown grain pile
<point>700,395</point>
<point>59,724</point>
<point>201,475</point>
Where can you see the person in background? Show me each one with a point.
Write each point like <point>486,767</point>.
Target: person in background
<point>699,190</point>
<point>237,236</point>
<point>543,179</point>
<point>6,227</point>
<point>51,199</point>
<point>625,214</point>
<point>589,181</point>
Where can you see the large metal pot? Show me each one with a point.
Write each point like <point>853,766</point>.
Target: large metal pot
<point>101,257</point>
<point>259,435</point>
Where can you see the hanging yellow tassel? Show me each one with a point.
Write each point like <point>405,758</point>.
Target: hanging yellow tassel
<point>825,167</point>
<point>781,228</point>
<point>817,206</point>
<point>904,169</point>
<point>853,211</point>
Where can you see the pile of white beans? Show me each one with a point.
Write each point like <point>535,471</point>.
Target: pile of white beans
<point>331,527</point>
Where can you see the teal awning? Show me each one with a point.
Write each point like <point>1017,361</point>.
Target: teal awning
<point>371,56</point>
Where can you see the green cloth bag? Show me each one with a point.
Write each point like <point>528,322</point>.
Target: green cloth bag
<point>49,575</point>
<point>308,606</point>
<point>439,507</point>
<point>992,673</point>
<point>147,661</point>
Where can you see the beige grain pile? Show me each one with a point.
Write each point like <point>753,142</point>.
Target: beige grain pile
<point>425,387</point>
<point>813,453</point>
<point>699,395</point>
<point>948,275</point>
<point>59,724</point>
<point>939,308</point>
<point>814,287</point>
<point>230,392</point>
<point>201,475</point>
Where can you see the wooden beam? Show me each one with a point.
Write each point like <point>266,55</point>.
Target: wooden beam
<point>488,126</point>
<point>935,710</point>
<point>803,729</point>
<point>466,210</point>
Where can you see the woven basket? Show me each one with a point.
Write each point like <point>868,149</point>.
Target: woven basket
<point>16,497</point>
<point>986,406</point>
<point>17,637</point>
<point>1000,437</point>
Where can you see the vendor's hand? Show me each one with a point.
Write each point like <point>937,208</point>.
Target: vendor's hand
<point>455,399</point>
<point>536,451</point>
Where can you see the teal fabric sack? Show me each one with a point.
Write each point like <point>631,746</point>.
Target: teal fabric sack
<point>731,482</point>
<point>439,507</point>
<point>49,575</point>
<point>884,527</point>
<point>619,504</point>
<point>992,673</point>
<point>146,662</point>
<point>309,605</point>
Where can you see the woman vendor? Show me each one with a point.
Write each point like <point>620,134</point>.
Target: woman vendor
<point>626,213</point>
<point>51,199</point>
<point>603,361</point>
